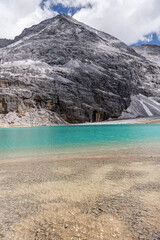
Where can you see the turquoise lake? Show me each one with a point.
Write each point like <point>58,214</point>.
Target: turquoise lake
<point>39,139</point>
<point>80,181</point>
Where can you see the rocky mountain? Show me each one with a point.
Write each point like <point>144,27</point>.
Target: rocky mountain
<point>151,52</point>
<point>64,71</point>
<point>5,42</point>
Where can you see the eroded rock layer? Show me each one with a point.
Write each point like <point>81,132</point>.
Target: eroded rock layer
<point>64,71</point>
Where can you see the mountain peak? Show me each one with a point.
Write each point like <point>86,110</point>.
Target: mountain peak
<point>76,73</point>
<point>65,16</point>
<point>69,33</point>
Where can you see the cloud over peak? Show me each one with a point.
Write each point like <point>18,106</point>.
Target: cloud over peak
<point>19,14</point>
<point>127,20</point>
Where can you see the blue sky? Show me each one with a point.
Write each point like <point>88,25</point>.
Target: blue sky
<point>153,40</point>
<point>62,9</point>
<point>65,10</point>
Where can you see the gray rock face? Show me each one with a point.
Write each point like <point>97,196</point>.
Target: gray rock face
<point>71,72</point>
<point>5,42</point>
<point>151,52</point>
<point>146,105</point>
<point>142,106</point>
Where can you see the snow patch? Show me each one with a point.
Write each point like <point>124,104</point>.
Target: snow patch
<point>28,62</point>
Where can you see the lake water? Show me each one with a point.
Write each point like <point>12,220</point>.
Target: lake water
<point>51,139</point>
<point>80,182</point>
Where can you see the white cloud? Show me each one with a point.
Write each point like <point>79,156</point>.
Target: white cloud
<point>70,3</point>
<point>15,15</point>
<point>128,20</point>
<point>148,38</point>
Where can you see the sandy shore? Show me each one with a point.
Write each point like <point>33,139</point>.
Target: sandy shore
<point>96,194</point>
<point>149,120</point>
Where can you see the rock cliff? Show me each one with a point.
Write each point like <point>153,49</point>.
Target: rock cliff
<point>147,105</point>
<point>64,71</point>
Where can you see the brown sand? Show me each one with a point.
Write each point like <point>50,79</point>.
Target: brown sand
<point>101,194</point>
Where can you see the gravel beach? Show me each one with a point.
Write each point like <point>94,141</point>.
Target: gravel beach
<point>98,193</point>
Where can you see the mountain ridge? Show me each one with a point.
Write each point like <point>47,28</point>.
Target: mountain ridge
<point>69,72</point>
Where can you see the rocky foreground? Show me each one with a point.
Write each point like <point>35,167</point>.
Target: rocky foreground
<point>62,71</point>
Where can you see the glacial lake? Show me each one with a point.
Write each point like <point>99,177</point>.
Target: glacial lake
<point>80,182</point>
<point>75,136</point>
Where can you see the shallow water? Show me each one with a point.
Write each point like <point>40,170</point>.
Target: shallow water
<point>80,182</point>
<point>38,141</point>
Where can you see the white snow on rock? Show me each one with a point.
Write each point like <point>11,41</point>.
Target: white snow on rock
<point>27,62</point>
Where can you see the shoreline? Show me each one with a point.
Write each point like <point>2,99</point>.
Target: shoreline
<point>149,120</point>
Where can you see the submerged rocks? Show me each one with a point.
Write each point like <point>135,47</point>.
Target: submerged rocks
<point>74,71</point>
